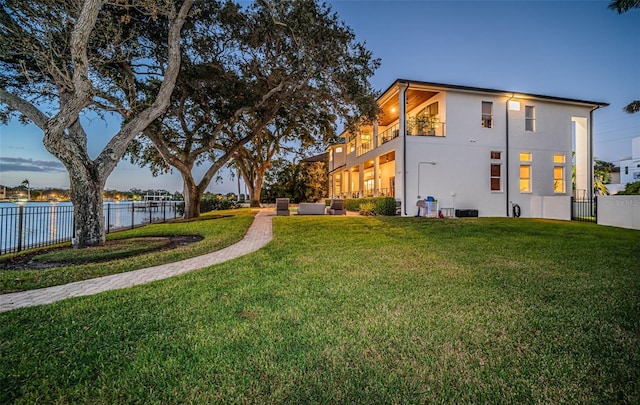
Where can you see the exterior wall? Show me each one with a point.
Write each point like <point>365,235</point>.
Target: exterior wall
<point>337,155</point>
<point>455,168</point>
<point>629,171</point>
<point>619,210</point>
<point>551,207</point>
<point>630,168</point>
<point>460,162</point>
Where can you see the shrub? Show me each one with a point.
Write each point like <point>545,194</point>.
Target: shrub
<point>381,205</point>
<point>367,208</point>
<point>631,189</point>
<point>210,204</point>
<point>386,206</point>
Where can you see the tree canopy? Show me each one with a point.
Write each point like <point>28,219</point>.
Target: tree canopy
<point>273,70</point>
<point>62,58</point>
<point>299,181</point>
<point>622,6</point>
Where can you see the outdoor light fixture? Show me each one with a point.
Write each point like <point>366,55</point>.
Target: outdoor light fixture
<point>514,105</point>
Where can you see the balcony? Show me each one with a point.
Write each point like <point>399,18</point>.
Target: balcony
<point>364,148</point>
<point>434,130</point>
<point>366,193</point>
<point>388,134</point>
<point>393,132</point>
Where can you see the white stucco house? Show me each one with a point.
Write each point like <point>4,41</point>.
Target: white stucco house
<point>630,167</point>
<point>470,149</point>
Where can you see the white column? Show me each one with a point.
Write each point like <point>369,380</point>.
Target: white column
<point>376,181</point>
<point>582,153</point>
<point>400,152</point>
<point>361,179</point>
<point>375,135</point>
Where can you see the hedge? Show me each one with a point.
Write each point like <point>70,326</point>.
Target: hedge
<point>383,205</point>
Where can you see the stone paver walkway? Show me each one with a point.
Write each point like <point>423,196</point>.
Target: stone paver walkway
<point>258,235</point>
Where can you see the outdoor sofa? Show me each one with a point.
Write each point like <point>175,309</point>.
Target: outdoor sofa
<point>311,208</point>
<point>337,207</point>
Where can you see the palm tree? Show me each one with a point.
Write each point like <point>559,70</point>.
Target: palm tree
<point>25,184</point>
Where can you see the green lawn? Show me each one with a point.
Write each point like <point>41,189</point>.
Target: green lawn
<point>355,310</point>
<point>219,229</point>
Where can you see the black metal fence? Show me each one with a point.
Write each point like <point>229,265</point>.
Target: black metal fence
<point>31,226</point>
<point>25,227</point>
<point>583,209</point>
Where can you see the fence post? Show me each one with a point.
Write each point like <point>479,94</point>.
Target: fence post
<point>108,217</point>
<point>572,204</point>
<point>595,207</point>
<point>20,219</point>
<point>73,233</point>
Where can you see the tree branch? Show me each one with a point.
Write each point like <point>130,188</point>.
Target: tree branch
<point>26,108</point>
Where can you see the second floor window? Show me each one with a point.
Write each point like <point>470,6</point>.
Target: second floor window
<point>529,118</point>
<point>496,178</point>
<point>487,114</point>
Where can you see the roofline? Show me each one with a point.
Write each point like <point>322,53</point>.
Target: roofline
<point>338,167</point>
<point>493,91</point>
<point>316,158</point>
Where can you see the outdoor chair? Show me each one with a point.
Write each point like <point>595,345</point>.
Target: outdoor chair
<point>337,207</point>
<point>282,206</point>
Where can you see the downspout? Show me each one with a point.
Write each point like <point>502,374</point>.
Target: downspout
<point>506,155</point>
<point>402,127</point>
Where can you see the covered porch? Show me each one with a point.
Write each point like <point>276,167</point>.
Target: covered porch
<point>371,178</point>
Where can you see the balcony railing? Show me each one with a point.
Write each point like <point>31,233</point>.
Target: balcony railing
<point>437,130</point>
<point>393,132</point>
<point>388,134</point>
<point>381,192</point>
<point>364,148</point>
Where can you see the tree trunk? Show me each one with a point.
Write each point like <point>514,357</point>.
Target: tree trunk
<point>86,181</point>
<point>254,192</point>
<point>192,197</point>
<point>88,211</point>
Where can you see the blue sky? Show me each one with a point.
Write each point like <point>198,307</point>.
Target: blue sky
<point>573,49</point>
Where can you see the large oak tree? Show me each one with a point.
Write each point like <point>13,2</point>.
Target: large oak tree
<point>258,66</point>
<point>300,128</point>
<point>62,58</point>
